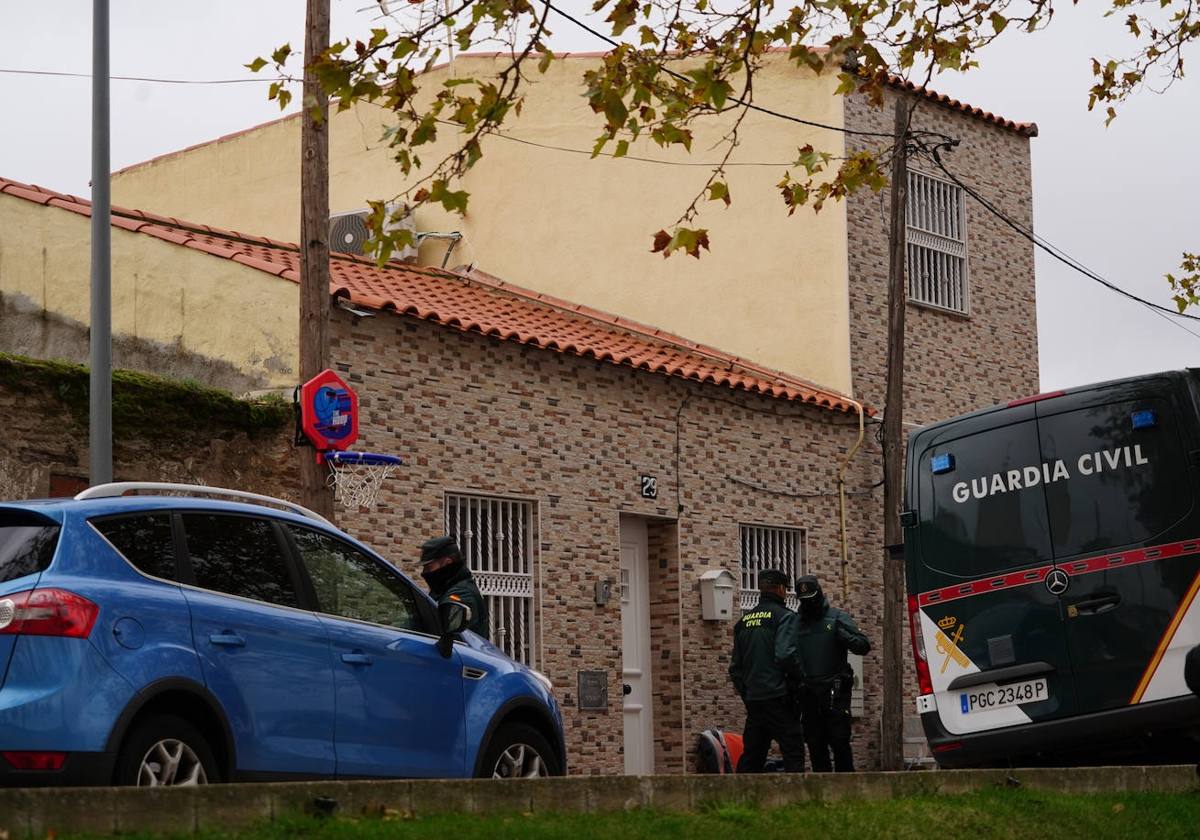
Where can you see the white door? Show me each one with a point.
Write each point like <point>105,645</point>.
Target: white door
<point>635,636</point>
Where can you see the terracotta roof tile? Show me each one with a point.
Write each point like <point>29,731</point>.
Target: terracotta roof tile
<point>1025,129</point>
<point>474,302</point>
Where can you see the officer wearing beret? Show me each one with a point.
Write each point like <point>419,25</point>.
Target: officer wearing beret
<point>823,636</point>
<point>765,670</point>
<point>449,579</point>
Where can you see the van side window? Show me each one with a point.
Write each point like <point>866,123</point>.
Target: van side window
<point>145,541</point>
<point>238,555</point>
<point>353,585</point>
<point>1127,486</point>
<point>974,520</point>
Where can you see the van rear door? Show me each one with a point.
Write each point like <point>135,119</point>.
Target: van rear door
<point>979,559</point>
<point>1124,528</point>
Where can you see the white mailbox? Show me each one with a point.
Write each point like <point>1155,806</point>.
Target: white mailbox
<point>716,595</point>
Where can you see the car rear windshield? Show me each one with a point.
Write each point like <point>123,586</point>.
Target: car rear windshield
<point>27,544</point>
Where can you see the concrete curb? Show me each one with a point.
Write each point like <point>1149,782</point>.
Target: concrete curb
<point>37,812</point>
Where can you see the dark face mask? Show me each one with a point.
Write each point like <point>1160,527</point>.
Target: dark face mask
<point>811,608</point>
<point>439,579</point>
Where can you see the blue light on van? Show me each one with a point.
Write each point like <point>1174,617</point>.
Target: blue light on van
<point>1146,419</point>
<point>944,463</point>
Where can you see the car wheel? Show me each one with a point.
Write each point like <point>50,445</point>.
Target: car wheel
<point>518,751</point>
<point>166,751</point>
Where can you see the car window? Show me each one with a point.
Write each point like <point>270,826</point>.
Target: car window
<point>238,555</point>
<point>1127,485</point>
<point>145,541</point>
<point>350,584</point>
<point>26,545</point>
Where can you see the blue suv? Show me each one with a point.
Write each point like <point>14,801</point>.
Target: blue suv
<point>221,636</point>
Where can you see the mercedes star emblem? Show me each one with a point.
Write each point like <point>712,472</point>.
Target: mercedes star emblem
<point>1058,581</point>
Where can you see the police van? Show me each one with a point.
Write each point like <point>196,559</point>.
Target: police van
<point>1052,553</point>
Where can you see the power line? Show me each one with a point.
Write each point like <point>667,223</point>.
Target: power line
<point>709,165</point>
<point>1051,249</point>
<point>148,78</point>
<point>736,100</point>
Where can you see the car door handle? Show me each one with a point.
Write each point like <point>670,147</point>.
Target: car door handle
<point>1094,606</point>
<point>357,658</point>
<point>227,640</point>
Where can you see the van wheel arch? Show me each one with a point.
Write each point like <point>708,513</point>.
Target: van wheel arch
<point>188,700</point>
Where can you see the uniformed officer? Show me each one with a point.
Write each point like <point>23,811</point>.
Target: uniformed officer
<point>765,670</point>
<point>824,635</point>
<point>449,579</point>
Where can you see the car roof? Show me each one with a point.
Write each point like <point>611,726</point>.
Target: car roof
<point>109,505</point>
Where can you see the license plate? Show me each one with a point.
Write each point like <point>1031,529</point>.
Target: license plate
<point>985,699</point>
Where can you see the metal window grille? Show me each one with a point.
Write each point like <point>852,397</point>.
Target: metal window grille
<point>935,221</point>
<point>765,547</point>
<point>496,537</point>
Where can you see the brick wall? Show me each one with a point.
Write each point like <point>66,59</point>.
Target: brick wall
<point>953,363</point>
<point>477,414</point>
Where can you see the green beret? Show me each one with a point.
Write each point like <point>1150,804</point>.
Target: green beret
<point>437,548</point>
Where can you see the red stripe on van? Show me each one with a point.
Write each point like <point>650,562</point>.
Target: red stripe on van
<point>1074,568</point>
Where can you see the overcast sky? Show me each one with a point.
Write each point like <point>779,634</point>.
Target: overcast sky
<point>1123,200</point>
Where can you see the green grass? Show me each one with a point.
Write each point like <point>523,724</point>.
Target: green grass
<point>988,814</point>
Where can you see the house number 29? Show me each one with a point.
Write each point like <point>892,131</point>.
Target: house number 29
<point>649,486</point>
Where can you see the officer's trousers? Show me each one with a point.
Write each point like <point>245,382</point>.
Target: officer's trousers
<point>772,720</point>
<point>826,729</point>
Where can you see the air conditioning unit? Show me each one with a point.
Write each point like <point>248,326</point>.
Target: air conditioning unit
<point>349,232</point>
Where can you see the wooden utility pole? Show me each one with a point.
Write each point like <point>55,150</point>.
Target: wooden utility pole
<point>892,738</point>
<point>314,240</point>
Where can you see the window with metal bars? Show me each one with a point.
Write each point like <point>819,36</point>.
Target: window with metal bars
<point>767,547</point>
<point>496,537</point>
<point>935,221</point>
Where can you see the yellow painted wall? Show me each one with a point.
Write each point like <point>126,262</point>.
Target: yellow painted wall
<point>773,289</point>
<point>182,299</point>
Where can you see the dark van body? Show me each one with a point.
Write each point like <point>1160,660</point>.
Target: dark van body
<point>1052,551</point>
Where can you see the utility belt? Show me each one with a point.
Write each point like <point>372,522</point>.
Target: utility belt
<point>831,692</point>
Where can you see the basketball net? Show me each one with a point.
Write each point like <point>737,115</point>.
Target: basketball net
<point>357,484</point>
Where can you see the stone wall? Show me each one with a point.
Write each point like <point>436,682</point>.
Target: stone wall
<point>162,431</point>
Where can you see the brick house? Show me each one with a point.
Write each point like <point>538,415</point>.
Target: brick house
<point>527,424</point>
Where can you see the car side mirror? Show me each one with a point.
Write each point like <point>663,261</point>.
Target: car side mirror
<point>454,618</point>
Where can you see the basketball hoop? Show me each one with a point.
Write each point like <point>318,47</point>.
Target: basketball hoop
<point>327,420</point>
<point>357,477</point>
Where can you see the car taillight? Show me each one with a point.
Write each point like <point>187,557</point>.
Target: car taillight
<point>47,612</point>
<point>35,760</point>
<point>918,644</point>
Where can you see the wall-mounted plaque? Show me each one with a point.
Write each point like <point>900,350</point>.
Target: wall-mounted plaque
<point>593,689</point>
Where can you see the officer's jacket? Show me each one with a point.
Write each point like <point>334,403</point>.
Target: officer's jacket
<point>824,640</point>
<point>765,663</point>
<point>462,588</point>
